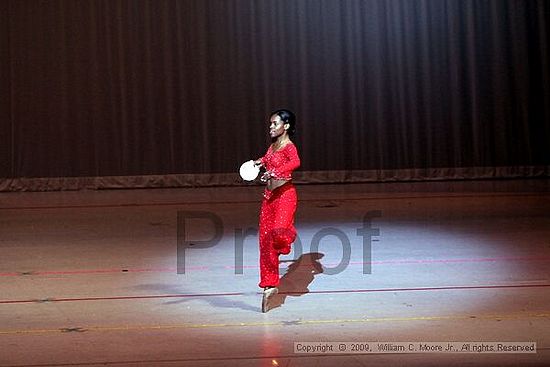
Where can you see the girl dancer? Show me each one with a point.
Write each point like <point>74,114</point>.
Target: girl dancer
<point>277,230</point>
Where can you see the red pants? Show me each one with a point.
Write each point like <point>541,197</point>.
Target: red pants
<point>277,231</point>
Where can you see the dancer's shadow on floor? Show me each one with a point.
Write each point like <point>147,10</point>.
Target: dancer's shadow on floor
<point>298,277</point>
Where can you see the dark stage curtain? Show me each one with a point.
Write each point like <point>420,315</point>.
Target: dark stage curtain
<point>136,93</point>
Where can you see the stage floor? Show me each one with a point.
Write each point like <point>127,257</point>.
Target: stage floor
<point>168,277</point>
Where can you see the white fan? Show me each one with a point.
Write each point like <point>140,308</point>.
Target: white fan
<point>249,171</point>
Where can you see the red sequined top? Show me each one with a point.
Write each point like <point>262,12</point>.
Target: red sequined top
<point>282,162</point>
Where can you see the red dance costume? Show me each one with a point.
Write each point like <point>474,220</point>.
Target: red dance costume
<point>277,230</point>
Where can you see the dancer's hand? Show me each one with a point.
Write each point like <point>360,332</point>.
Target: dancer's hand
<point>266,176</point>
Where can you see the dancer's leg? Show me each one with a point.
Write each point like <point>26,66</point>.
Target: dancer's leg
<point>269,259</point>
<point>277,232</point>
<point>284,233</point>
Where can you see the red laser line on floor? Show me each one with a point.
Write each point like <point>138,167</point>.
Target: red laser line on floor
<point>209,268</point>
<point>340,291</point>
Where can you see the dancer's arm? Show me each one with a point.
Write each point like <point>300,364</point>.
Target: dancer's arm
<point>292,162</point>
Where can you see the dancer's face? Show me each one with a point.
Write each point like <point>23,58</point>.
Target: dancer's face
<point>277,127</point>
